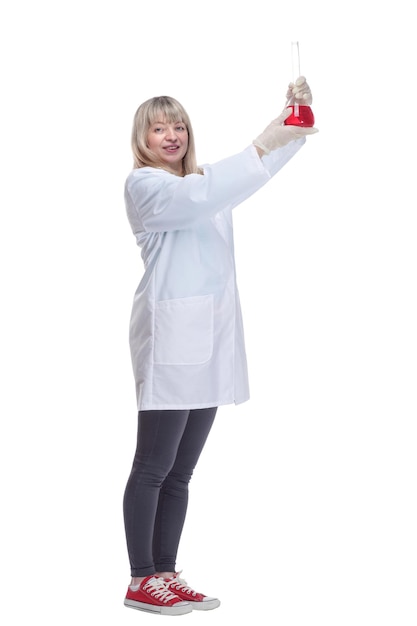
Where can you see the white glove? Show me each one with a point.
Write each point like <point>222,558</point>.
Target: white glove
<point>299,92</point>
<point>277,134</point>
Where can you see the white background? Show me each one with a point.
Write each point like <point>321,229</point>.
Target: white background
<point>303,508</point>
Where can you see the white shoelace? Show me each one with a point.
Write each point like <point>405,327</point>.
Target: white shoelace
<point>181,585</point>
<point>159,589</point>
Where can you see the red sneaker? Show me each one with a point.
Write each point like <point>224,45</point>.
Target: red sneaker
<point>155,596</point>
<point>198,601</point>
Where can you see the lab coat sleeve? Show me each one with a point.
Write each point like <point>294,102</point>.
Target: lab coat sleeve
<point>158,201</point>
<point>276,159</point>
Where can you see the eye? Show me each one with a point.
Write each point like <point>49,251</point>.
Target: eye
<point>181,128</point>
<point>158,129</point>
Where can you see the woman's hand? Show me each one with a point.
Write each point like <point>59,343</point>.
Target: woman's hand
<point>299,92</point>
<point>276,134</point>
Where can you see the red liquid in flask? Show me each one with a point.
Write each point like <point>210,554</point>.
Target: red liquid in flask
<point>301,117</point>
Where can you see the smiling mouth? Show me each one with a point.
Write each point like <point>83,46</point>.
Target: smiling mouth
<point>171,148</point>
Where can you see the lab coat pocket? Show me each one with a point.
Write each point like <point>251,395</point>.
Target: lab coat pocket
<point>184,331</point>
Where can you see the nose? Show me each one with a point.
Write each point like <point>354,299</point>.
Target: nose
<point>170,134</point>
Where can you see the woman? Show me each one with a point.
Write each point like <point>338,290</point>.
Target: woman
<point>186,333</point>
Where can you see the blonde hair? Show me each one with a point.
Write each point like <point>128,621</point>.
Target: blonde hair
<point>155,109</point>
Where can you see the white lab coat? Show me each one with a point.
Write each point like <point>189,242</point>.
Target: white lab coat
<point>186,332</point>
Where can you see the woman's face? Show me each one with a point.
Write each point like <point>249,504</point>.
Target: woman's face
<point>169,142</point>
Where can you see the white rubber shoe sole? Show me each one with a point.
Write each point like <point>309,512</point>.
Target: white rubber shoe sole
<point>205,605</point>
<point>181,608</point>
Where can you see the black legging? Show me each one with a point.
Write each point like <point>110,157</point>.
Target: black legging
<point>155,501</point>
